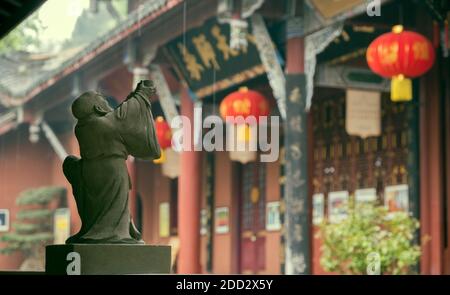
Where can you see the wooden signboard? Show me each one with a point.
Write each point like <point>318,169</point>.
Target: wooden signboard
<point>205,60</point>
<point>332,8</point>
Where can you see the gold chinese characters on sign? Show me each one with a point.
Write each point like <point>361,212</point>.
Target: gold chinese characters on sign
<point>195,69</point>
<point>206,61</point>
<point>207,54</point>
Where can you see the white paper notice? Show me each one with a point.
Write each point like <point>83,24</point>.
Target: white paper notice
<point>363,116</point>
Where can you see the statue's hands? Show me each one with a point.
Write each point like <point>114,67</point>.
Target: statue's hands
<point>147,86</point>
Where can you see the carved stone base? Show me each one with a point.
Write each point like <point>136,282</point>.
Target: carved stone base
<point>107,259</point>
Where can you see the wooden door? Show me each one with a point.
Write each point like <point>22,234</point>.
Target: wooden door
<point>252,218</point>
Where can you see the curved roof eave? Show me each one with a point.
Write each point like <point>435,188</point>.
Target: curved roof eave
<point>137,20</point>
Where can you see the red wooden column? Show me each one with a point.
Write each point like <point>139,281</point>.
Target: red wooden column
<point>295,62</point>
<point>431,171</point>
<point>446,68</point>
<point>432,161</point>
<point>189,193</point>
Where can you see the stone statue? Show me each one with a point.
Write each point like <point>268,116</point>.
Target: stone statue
<point>100,179</point>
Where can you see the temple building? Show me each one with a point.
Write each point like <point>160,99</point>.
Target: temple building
<point>342,135</point>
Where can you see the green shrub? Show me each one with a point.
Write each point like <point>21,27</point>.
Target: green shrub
<point>370,228</point>
<point>34,222</point>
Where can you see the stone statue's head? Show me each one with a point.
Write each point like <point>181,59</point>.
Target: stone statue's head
<point>90,103</point>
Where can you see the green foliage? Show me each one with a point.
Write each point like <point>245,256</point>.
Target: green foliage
<point>370,228</point>
<point>24,243</point>
<point>39,196</point>
<point>26,228</point>
<point>35,220</point>
<point>26,34</point>
<point>41,214</point>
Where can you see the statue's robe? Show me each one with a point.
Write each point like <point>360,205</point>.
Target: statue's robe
<point>100,179</point>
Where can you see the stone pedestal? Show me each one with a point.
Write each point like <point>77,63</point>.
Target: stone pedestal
<point>107,259</point>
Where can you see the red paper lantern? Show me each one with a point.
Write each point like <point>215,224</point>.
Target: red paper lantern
<point>245,103</point>
<point>163,133</point>
<point>400,55</point>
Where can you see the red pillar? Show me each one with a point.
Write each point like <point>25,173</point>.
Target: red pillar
<point>295,61</point>
<point>431,171</point>
<point>189,192</point>
<point>432,163</point>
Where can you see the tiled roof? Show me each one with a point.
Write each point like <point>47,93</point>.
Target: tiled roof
<point>21,71</point>
<point>23,75</point>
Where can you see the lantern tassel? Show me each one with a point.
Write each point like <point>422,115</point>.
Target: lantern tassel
<point>161,159</point>
<point>401,88</point>
<point>244,133</point>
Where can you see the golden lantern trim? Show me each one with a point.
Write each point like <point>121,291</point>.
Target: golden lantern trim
<point>243,89</point>
<point>397,29</point>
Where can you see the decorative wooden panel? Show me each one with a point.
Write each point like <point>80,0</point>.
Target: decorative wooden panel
<point>253,209</point>
<point>343,162</point>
